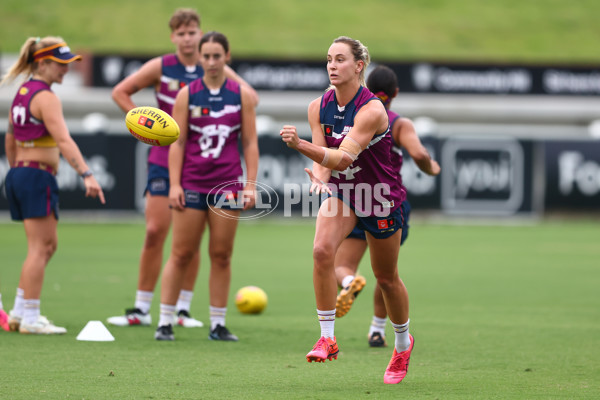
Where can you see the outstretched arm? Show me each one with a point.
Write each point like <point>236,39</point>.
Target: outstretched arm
<point>370,120</point>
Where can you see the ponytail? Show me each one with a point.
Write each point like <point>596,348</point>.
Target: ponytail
<point>25,64</point>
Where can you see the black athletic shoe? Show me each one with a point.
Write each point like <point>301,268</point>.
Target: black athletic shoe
<point>377,340</point>
<point>222,333</point>
<point>164,332</point>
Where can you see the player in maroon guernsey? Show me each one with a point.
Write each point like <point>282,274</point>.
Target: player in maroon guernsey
<point>351,145</point>
<point>37,135</point>
<point>166,74</point>
<point>215,114</point>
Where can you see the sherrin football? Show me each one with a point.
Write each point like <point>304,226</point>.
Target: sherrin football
<point>251,300</point>
<point>152,125</point>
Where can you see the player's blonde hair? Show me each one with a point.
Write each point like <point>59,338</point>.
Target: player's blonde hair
<point>359,52</point>
<point>182,17</point>
<point>25,64</point>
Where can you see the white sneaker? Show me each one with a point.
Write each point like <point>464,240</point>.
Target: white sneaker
<point>185,319</point>
<point>14,321</point>
<point>133,316</point>
<point>41,327</point>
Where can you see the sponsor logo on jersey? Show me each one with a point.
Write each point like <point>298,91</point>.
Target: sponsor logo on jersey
<point>174,84</point>
<point>198,112</point>
<point>327,129</point>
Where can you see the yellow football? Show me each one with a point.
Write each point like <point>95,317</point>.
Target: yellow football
<point>152,125</point>
<point>251,300</point>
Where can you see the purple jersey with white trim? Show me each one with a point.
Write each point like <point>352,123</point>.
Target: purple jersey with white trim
<point>369,183</point>
<point>26,126</point>
<point>396,154</point>
<point>211,151</point>
<point>174,76</point>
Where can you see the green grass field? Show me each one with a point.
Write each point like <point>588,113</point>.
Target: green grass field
<point>546,31</point>
<point>498,312</point>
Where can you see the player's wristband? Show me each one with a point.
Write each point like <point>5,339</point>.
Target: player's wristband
<point>86,174</point>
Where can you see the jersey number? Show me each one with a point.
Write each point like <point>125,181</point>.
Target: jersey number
<point>18,115</point>
<point>213,140</point>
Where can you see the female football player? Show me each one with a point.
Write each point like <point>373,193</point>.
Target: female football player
<point>350,148</point>
<point>166,74</point>
<point>214,114</point>
<point>37,135</point>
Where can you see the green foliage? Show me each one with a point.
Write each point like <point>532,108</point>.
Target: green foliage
<point>468,30</point>
<point>498,312</point>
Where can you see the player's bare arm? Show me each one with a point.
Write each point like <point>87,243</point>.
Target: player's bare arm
<point>10,144</point>
<point>249,147</point>
<point>177,149</point>
<point>405,134</point>
<point>147,76</point>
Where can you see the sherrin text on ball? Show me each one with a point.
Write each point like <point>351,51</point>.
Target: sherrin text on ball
<point>152,125</point>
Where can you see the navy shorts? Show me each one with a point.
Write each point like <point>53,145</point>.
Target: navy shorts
<point>158,181</point>
<point>357,233</point>
<point>204,201</point>
<point>31,193</point>
<point>382,228</point>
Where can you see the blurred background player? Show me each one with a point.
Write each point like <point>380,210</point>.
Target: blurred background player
<point>166,74</point>
<point>215,114</point>
<point>36,137</point>
<point>382,81</point>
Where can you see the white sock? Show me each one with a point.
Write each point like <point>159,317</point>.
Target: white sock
<point>217,316</point>
<point>347,280</point>
<point>1,305</point>
<point>19,306</point>
<point>167,315</point>
<point>31,311</point>
<point>185,300</point>
<point>327,322</point>
<point>377,325</point>
<point>402,338</point>
<point>143,300</point>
